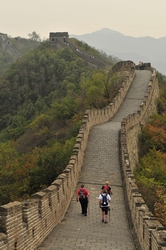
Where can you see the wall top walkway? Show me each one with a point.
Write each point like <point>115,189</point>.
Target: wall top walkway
<point>101,163</point>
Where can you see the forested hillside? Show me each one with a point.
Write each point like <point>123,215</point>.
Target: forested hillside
<point>11,49</point>
<point>43,97</point>
<point>151,171</point>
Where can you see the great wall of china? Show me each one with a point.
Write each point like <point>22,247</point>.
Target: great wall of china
<point>24,225</point>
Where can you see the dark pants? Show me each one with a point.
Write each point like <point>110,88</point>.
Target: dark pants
<point>105,210</point>
<point>84,204</point>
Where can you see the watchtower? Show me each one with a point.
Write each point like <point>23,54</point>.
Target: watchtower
<point>62,37</point>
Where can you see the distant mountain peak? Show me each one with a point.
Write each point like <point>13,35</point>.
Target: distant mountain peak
<point>103,32</point>
<point>131,48</point>
<point>107,31</point>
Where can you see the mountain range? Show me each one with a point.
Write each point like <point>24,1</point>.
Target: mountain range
<point>145,49</point>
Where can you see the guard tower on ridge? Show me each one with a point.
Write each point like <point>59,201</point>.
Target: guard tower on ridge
<point>59,37</point>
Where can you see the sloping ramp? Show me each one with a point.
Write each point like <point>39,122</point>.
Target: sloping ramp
<point>101,163</point>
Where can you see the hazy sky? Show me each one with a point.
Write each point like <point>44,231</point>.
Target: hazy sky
<point>135,18</point>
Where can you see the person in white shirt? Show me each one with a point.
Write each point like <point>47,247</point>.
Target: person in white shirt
<point>104,204</point>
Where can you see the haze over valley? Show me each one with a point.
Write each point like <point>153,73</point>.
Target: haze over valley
<point>146,49</point>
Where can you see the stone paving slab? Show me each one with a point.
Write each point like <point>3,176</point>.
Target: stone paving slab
<point>101,163</point>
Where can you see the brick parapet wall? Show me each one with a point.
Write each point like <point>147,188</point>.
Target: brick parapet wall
<point>148,231</point>
<point>134,122</point>
<point>24,225</point>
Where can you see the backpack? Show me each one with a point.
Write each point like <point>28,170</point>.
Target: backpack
<point>104,202</point>
<point>82,194</point>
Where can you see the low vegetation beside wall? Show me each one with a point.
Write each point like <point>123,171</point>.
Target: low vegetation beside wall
<point>148,232</point>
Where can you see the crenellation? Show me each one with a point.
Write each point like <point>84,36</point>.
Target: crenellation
<point>151,227</point>
<point>3,238</point>
<point>142,219</point>
<point>26,224</point>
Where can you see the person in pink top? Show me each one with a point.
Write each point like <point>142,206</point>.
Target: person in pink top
<point>82,196</point>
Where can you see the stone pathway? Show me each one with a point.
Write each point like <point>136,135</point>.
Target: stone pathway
<point>101,163</point>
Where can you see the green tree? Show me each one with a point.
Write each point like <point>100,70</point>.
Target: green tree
<point>150,175</point>
<point>50,163</point>
<point>8,164</point>
<point>30,111</point>
<point>34,36</point>
<point>111,86</point>
<point>40,104</point>
<point>94,90</point>
<point>64,110</point>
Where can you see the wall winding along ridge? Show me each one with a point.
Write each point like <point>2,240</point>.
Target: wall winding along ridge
<point>24,225</point>
<point>90,59</point>
<point>6,45</point>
